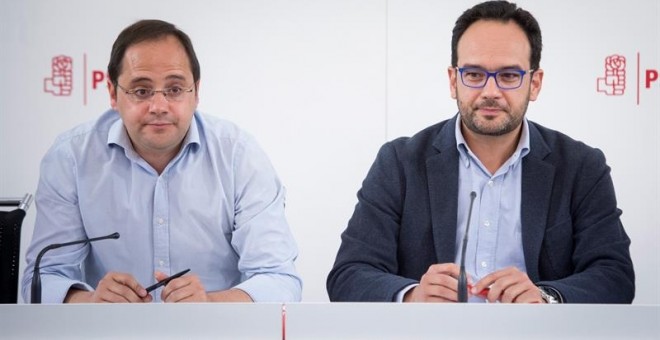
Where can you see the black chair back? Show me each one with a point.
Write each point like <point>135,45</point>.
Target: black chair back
<point>10,247</point>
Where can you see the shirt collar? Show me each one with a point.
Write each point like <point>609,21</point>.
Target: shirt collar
<point>119,136</point>
<point>465,154</point>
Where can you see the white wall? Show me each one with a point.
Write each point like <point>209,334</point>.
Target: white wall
<point>322,84</point>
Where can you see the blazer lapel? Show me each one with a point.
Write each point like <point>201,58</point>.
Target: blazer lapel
<point>537,181</point>
<point>442,176</point>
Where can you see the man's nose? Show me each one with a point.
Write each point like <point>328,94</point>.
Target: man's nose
<point>491,89</point>
<point>158,102</point>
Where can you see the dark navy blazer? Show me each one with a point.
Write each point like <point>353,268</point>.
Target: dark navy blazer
<point>405,220</point>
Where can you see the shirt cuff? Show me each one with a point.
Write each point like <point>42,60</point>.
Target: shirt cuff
<point>402,292</point>
<point>55,290</point>
<point>272,288</point>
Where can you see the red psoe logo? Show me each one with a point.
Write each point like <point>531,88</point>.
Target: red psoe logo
<point>61,82</point>
<point>614,82</point>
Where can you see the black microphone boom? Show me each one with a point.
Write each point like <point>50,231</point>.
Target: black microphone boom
<point>36,276</point>
<point>462,277</point>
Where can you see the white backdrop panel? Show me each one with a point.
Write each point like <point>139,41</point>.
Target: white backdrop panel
<point>322,84</point>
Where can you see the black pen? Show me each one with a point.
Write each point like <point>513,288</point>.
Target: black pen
<point>165,281</point>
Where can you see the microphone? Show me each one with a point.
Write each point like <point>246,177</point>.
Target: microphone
<point>36,277</point>
<point>462,277</point>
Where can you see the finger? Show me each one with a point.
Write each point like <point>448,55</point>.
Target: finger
<point>444,288</point>
<point>175,285</point>
<point>179,291</point>
<point>129,281</point>
<point>491,287</point>
<point>489,280</point>
<point>442,280</point>
<point>114,292</point>
<point>178,295</point>
<point>451,269</point>
<point>486,283</point>
<point>438,299</point>
<point>126,293</point>
<point>120,293</point>
<point>482,293</point>
<point>529,295</point>
<point>160,276</point>
<point>511,293</point>
<point>444,294</point>
<point>511,286</point>
<point>187,288</point>
<point>525,292</point>
<point>119,287</point>
<point>109,290</point>
<point>425,294</point>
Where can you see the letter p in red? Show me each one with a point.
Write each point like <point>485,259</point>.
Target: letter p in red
<point>651,76</point>
<point>97,77</point>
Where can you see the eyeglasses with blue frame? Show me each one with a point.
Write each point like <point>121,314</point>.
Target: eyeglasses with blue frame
<point>505,79</point>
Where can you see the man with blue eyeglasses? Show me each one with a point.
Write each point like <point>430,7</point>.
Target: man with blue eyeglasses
<point>543,222</point>
<point>185,191</point>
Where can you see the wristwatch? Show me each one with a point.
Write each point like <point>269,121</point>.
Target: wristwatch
<point>548,295</point>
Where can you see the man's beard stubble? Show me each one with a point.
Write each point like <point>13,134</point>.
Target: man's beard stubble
<point>471,120</point>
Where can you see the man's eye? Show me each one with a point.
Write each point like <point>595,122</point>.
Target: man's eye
<point>509,76</point>
<point>175,90</point>
<point>474,75</point>
<point>142,92</point>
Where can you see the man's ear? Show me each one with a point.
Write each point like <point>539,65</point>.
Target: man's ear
<point>452,73</point>
<point>112,90</point>
<point>535,86</point>
<point>197,93</point>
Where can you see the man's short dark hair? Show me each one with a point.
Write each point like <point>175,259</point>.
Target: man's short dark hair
<point>503,11</point>
<point>147,30</point>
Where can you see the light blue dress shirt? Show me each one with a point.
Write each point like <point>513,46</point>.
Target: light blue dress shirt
<point>217,208</point>
<point>495,239</point>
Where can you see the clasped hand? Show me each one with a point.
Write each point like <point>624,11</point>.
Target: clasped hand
<point>122,287</point>
<point>440,284</point>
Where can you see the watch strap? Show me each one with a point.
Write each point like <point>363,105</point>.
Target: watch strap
<point>550,295</point>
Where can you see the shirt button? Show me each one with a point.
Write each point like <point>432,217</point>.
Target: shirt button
<point>484,264</point>
<point>487,223</point>
<point>491,183</point>
<point>160,263</point>
<point>161,220</point>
